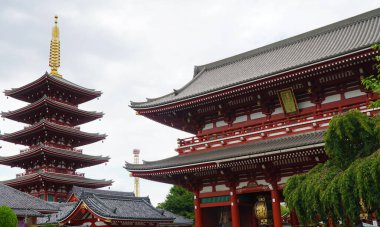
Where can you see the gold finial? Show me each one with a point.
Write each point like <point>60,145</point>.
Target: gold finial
<point>54,60</point>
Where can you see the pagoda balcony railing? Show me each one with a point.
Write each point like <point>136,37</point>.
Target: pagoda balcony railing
<point>51,170</point>
<point>62,146</point>
<point>20,175</point>
<point>55,121</point>
<point>62,101</point>
<point>62,123</point>
<point>53,145</point>
<point>261,131</point>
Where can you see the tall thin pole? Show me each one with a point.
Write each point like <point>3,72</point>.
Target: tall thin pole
<point>136,158</point>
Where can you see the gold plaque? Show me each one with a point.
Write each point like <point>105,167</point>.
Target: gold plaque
<point>288,101</point>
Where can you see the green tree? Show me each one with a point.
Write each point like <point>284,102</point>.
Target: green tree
<point>179,201</point>
<point>373,81</point>
<point>8,218</point>
<point>284,210</point>
<point>347,184</point>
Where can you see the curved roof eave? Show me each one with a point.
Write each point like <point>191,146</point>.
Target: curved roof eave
<point>363,28</point>
<point>54,151</point>
<point>61,81</point>
<point>296,142</point>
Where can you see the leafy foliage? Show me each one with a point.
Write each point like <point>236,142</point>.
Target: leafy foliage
<point>179,201</point>
<point>7,217</point>
<point>349,137</point>
<point>284,210</point>
<point>337,187</point>
<point>373,81</point>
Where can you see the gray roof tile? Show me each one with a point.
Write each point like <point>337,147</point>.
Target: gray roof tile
<point>64,210</point>
<point>23,203</point>
<point>179,220</point>
<point>123,208</point>
<point>77,191</point>
<point>116,205</point>
<point>336,39</point>
<point>259,147</point>
<point>27,212</point>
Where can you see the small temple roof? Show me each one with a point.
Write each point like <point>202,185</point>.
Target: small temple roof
<point>116,205</point>
<point>46,150</point>
<point>45,125</point>
<point>24,204</point>
<point>347,36</point>
<point>58,178</point>
<point>49,102</point>
<point>259,148</point>
<point>48,80</point>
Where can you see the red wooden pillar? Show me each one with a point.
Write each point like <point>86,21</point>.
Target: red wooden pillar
<point>277,221</point>
<point>375,222</point>
<point>331,222</point>
<point>234,208</point>
<point>197,210</point>
<point>294,219</point>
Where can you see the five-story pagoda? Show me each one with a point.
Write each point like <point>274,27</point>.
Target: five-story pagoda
<point>52,134</point>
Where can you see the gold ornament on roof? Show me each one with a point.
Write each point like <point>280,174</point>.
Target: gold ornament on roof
<point>54,59</point>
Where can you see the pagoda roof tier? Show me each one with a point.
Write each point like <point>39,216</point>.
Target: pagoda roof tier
<point>47,104</point>
<point>46,129</point>
<point>293,55</point>
<point>56,178</point>
<point>47,83</point>
<point>251,150</point>
<point>42,152</point>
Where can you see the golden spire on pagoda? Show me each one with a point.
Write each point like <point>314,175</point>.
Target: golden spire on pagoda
<point>54,59</point>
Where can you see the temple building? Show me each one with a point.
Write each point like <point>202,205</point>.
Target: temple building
<point>26,207</point>
<point>259,117</point>
<point>94,207</point>
<point>52,134</point>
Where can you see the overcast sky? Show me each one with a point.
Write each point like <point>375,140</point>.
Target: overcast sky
<point>131,50</point>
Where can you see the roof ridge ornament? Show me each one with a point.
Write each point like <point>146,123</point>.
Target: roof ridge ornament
<point>54,59</point>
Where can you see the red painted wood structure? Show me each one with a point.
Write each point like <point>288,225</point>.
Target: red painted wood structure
<point>52,135</point>
<point>259,118</point>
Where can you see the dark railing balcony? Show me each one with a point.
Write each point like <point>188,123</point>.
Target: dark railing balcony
<point>53,145</point>
<point>262,130</point>
<point>51,170</point>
